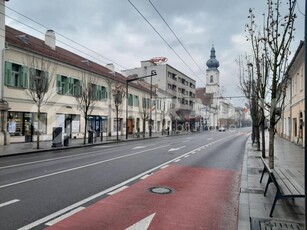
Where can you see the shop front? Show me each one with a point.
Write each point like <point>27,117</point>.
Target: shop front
<point>22,126</point>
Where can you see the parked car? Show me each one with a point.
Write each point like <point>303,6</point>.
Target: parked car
<point>222,129</point>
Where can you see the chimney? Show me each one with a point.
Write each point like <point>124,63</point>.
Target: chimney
<point>50,39</point>
<point>111,67</point>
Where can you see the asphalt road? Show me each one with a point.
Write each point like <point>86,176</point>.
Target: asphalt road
<point>37,188</point>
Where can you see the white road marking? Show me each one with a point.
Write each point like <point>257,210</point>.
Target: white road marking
<point>102,146</point>
<point>139,147</point>
<point>165,166</point>
<point>176,149</point>
<point>60,218</point>
<point>53,159</point>
<point>186,156</point>
<point>177,160</point>
<point>80,203</point>
<point>142,224</point>
<point>144,177</point>
<point>118,190</point>
<point>80,167</point>
<point>8,203</point>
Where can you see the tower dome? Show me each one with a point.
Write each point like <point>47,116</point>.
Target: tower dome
<point>212,63</point>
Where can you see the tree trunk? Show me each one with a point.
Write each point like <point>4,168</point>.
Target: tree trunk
<point>144,127</point>
<point>117,123</point>
<point>38,126</point>
<point>271,146</point>
<point>85,129</point>
<point>258,137</point>
<point>263,138</point>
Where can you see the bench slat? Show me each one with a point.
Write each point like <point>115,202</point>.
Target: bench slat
<point>286,188</point>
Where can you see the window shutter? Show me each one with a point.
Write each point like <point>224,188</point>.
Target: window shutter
<point>59,84</point>
<point>8,73</point>
<point>31,79</point>
<point>24,77</point>
<point>46,81</point>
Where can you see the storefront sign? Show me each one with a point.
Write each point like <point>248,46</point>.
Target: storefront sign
<point>12,127</point>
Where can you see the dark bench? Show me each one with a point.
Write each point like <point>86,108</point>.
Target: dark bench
<point>285,188</point>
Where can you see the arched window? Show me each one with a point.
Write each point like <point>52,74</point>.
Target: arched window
<point>211,79</point>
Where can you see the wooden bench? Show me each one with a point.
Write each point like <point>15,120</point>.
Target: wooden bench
<point>285,188</point>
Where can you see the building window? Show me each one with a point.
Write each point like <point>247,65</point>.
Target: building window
<point>130,100</point>
<point>302,78</point>
<point>136,101</point>
<point>211,79</point>
<point>146,103</point>
<point>75,87</point>
<point>68,86</point>
<point>101,92</point>
<point>39,80</point>
<point>16,75</point>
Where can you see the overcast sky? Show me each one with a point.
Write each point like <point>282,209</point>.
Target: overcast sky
<point>115,30</point>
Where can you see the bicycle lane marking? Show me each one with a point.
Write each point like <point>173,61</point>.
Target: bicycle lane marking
<point>201,198</point>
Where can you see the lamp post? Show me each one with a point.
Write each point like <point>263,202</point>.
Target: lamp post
<point>150,107</point>
<point>153,73</point>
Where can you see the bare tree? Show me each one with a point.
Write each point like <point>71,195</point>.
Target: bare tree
<point>86,98</point>
<point>118,94</point>
<point>271,62</point>
<point>40,90</point>
<point>249,85</point>
<point>144,111</point>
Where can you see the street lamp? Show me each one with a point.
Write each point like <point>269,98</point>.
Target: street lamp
<point>153,73</point>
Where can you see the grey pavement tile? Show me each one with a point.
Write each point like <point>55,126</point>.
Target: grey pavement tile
<point>244,198</point>
<point>259,198</point>
<point>259,210</point>
<point>244,212</point>
<point>244,225</point>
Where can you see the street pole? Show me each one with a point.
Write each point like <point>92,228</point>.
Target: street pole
<point>127,110</point>
<point>150,107</point>
<point>305,88</point>
<point>153,73</point>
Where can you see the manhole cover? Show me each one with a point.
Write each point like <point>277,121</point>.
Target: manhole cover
<point>269,224</point>
<point>161,190</point>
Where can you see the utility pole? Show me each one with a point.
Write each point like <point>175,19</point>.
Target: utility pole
<point>153,73</point>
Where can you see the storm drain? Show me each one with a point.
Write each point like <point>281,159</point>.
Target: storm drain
<point>161,190</point>
<point>268,224</point>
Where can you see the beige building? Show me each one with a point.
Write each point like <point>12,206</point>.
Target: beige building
<point>291,125</point>
<point>29,61</point>
<point>177,87</point>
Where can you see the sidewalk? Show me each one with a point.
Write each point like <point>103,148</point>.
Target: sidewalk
<point>30,147</point>
<point>254,206</point>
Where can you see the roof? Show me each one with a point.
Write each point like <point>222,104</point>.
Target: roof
<point>206,98</point>
<point>30,43</point>
<point>300,47</point>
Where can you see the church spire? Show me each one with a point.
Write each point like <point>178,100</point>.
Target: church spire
<point>212,63</point>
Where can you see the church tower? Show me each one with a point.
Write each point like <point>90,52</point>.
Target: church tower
<point>212,74</point>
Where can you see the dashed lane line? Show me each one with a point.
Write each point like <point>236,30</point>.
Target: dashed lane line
<point>9,203</point>
<point>80,167</point>
<point>95,196</point>
<point>118,190</point>
<point>60,218</point>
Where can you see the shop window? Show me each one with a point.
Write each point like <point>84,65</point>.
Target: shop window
<point>16,75</point>
<point>40,124</point>
<point>119,124</point>
<point>15,123</point>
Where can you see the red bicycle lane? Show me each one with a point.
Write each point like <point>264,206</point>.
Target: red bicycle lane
<point>200,198</point>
